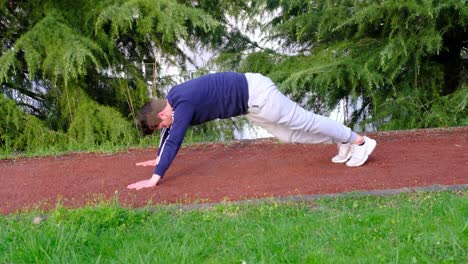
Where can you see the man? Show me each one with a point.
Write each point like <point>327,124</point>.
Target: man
<point>229,94</point>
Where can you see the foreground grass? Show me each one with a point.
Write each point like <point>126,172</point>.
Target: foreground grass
<point>411,228</point>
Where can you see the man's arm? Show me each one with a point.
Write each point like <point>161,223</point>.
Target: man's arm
<point>171,140</point>
<point>183,115</point>
<point>145,183</point>
<point>151,162</point>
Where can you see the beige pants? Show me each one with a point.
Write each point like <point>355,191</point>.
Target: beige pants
<point>288,121</point>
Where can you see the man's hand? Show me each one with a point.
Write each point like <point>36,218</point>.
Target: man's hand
<point>147,163</point>
<point>145,183</point>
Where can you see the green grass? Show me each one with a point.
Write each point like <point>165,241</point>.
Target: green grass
<point>425,227</point>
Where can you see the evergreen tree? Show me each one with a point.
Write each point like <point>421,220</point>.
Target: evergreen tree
<point>394,62</point>
<point>58,55</point>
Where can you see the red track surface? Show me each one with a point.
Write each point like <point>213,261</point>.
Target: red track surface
<point>236,170</point>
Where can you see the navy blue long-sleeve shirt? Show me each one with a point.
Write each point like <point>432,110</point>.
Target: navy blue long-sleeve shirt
<point>209,97</point>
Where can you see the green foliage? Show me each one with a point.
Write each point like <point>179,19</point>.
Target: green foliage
<point>398,64</point>
<point>165,21</point>
<point>96,125</point>
<point>26,133</point>
<point>450,110</point>
<point>116,33</point>
<point>259,62</point>
<point>72,64</point>
<point>53,49</point>
<point>92,124</point>
<point>216,130</point>
<point>396,61</point>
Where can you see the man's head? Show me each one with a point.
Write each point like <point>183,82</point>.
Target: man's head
<point>154,115</point>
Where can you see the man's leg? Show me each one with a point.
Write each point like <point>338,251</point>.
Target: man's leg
<point>288,121</point>
<point>267,105</point>
<point>288,135</point>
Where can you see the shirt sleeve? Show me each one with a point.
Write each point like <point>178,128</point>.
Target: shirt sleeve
<point>162,140</point>
<point>170,143</point>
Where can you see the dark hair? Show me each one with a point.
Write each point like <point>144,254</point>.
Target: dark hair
<point>147,118</point>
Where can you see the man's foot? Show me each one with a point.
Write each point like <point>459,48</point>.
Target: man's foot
<point>344,153</point>
<point>360,153</point>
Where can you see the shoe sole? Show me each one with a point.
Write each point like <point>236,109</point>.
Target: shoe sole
<point>371,149</point>
<point>343,160</point>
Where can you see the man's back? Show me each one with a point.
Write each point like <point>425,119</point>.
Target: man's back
<point>212,96</point>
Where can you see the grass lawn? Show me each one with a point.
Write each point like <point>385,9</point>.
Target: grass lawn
<point>423,227</point>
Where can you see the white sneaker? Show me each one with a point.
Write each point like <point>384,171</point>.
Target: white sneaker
<point>344,153</point>
<point>361,153</point>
